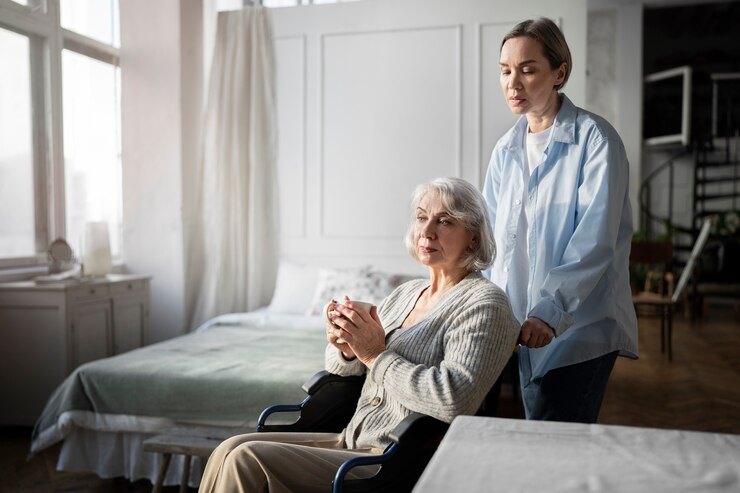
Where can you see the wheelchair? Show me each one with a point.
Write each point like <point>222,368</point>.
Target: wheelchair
<point>330,403</point>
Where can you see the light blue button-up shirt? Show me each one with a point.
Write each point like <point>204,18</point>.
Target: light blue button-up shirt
<point>578,232</point>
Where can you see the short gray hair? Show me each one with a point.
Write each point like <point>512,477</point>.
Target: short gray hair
<point>466,204</point>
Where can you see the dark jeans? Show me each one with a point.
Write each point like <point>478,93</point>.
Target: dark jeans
<point>571,393</point>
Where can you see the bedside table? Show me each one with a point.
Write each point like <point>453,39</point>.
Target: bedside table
<point>47,330</point>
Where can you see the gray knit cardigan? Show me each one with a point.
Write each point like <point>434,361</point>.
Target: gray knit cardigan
<point>441,366</point>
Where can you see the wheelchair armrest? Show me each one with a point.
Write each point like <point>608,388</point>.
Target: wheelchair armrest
<point>418,427</point>
<point>337,485</point>
<point>330,404</point>
<point>277,408</point>
<point>414,441</point>
<point>323,378</point>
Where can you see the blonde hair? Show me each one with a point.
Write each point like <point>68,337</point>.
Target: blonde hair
<point>466,204</point>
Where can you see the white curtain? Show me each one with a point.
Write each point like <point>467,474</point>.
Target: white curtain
<point>233,250</point>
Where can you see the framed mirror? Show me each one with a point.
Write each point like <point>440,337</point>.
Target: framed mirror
<point>60,255</point>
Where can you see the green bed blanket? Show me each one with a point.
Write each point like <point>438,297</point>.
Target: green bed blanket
<point>225,373</point>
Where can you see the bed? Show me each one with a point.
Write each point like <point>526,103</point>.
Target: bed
<point>215,380</point>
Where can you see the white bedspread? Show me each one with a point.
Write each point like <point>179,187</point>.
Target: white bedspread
<point>492,454</point>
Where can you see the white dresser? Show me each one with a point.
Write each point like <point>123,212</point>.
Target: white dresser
<point>47,330</point>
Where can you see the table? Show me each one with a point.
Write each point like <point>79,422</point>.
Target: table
<point>493,454</point>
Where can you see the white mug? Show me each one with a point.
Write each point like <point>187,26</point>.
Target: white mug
<point>363,305</point>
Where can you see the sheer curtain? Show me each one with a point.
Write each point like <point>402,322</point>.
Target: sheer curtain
<point>233,248</point>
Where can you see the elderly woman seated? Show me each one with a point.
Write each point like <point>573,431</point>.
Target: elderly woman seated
<point>433,346</point>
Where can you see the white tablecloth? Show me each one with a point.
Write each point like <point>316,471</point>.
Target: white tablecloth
<point>494,454</point>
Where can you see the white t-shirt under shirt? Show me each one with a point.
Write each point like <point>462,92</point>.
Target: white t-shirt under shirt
<point>535,143</point>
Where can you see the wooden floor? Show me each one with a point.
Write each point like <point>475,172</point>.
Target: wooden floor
<point>698,390</point>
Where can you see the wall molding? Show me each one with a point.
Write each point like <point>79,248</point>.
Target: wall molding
<point>302,202</point>
<point>321,64</point>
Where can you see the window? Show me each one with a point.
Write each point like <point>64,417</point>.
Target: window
<point>96,19</point>
<point>92,164</point>
<point>17,207</point>
<point>60,158</point>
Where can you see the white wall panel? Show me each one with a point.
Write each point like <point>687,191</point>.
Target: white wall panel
<point>391,119</point>
<point>396,92</point>
<point>290,54</point>
<point>495,116</point>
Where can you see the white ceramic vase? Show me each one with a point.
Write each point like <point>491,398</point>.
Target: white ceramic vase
<point>96,259</point>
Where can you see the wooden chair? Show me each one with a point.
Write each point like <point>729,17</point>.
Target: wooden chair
<point>656,257</point>
<point>659,290</point>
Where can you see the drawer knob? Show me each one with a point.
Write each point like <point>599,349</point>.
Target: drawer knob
<point>130,287</point>
<point>92,291</point>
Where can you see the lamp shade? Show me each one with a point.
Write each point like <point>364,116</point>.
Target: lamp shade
<point>96,258</point>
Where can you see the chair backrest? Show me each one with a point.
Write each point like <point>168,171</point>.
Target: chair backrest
<point>654,261</point>
<point>652,252</point>
<point>701,240</point>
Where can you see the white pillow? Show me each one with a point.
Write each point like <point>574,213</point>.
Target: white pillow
<point>359,284</point>
<point>294,288</point>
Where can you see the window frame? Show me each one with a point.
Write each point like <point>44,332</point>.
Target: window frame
<point>41,23</point>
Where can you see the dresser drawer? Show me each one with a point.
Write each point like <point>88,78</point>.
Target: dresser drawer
<point>128,287</point>
<point>90,292</point>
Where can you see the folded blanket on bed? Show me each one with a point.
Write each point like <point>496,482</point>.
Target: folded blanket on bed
<point>225,373</point>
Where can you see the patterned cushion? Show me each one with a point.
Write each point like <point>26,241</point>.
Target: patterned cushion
<point>359,284</point>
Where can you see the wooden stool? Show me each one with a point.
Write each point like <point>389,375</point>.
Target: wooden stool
<point>187,445</point>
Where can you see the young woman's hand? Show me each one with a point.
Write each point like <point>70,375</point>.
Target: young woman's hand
<point>535,333</point>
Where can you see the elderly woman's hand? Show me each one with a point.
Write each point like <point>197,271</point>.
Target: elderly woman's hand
<point>362,331</point>
<point>334,335</point>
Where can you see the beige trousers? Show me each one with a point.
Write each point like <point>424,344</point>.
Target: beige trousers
<point>280,463</point>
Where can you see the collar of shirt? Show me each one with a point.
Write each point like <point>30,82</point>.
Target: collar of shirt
<point>564,128</point>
